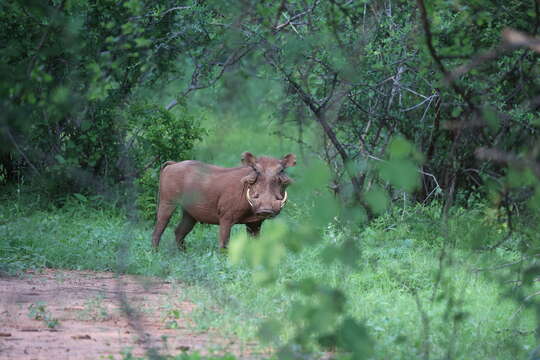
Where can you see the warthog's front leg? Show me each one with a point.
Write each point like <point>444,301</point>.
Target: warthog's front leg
<point>224,232</point>
<point>254,228</point>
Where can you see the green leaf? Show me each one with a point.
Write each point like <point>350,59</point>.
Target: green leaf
<point>237,248</point>
<point>307,286</point>
<point>534,201</point>
<point>85,125</point>
<point>350,253</point>
<point>456,111</point>
<point>531,274</point>
<point>269,331</point>
<point>353,337</point>
<point>80,197</point>
<point>491,117</point>
<point>399,148</point>
<point>401,173</point>
<point>142,42</point>
<point>60,159</point>
<point>377,199</point>
<point>60,95</point>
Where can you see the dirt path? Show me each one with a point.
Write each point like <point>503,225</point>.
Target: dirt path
<point>58,314</point>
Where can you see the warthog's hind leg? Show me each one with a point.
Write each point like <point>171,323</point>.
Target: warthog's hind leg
<point>163,216</point>
<point>185,226</point>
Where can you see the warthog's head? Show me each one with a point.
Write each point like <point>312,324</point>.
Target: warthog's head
<point>266,185</point>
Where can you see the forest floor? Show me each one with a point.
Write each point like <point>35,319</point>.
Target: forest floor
<point>58,314</point>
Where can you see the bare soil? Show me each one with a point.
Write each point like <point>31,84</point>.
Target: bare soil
<point>58,314</point>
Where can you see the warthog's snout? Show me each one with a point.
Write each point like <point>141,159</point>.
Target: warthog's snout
<point>267,213</point>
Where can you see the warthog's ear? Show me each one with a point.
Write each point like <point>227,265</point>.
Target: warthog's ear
<point>248,159</point>
<point>288,160</point>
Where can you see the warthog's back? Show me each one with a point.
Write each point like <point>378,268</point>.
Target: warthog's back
<point>199,187</point>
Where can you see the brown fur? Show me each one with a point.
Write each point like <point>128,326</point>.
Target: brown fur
<point>214,195</point>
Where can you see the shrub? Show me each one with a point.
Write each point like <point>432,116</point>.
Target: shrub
<point>155,136</point>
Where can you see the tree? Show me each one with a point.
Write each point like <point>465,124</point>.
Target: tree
<point>69,71</point>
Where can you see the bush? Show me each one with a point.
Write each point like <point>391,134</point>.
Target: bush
<point>158,135</point>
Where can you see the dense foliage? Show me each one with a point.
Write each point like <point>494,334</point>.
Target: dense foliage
<point>72,111</point>
<point>361,70</point>
<point>392,105</point>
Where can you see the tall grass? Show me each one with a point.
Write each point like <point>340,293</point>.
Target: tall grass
<point>391,289</point>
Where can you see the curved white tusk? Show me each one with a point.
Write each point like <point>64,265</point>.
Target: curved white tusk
<point>249,198</point>
<point>284,200</point>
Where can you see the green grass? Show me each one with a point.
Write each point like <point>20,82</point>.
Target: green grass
<point>396,269</point>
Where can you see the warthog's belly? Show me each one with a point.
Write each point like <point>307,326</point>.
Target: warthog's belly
<point>202,213</point>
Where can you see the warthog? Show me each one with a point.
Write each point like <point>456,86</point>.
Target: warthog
<point>210,194</point>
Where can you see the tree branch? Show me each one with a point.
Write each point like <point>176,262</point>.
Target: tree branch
<point>12,139</point>
<point>502,157</point>
<point>232,59</point>
<point>437,58</point>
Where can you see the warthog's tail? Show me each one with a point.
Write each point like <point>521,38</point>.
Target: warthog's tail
<point>167,163</point>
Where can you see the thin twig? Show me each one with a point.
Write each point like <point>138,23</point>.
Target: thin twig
<point>430,99</point>
<point>295,17</point>
<point>418,170</point>
<point>233,58</point>
<point>12,139</point>
<point>175,8</point>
